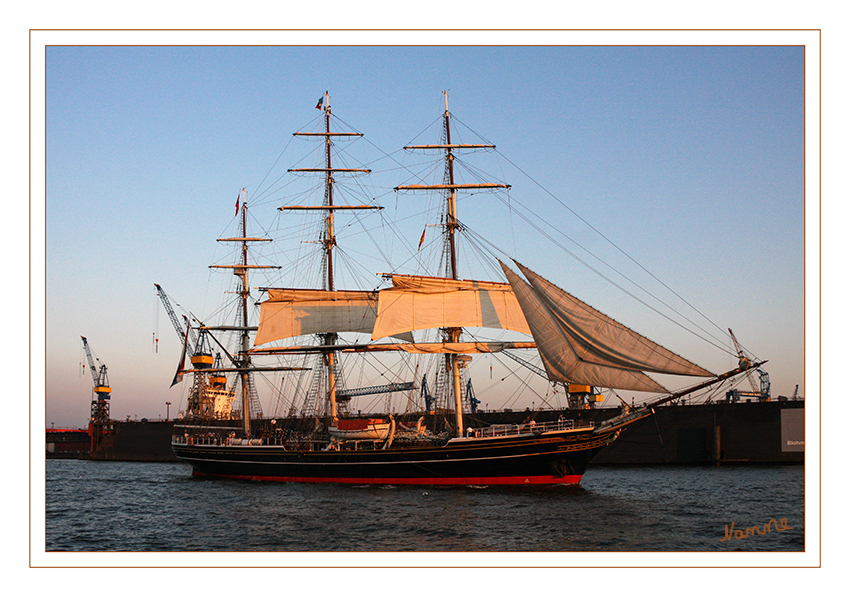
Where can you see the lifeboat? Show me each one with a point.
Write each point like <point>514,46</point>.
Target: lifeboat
<point>360,429</point>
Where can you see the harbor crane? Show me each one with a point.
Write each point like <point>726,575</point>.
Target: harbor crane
<point>197,345</point>
<point>178,327</point>
<point>761,389</point>
<point>208,369</point>
<point>742,358</point>
<point>100,404</point>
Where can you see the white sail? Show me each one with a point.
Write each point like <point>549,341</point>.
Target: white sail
<point>412,303</point>
<point>289,313</point>
<point>419,303</point>
<point>579,344</point>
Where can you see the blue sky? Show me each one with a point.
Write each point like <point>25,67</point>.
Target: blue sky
<point>690,159</point>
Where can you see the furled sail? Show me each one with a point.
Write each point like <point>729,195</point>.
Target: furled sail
<point>579,344</point>
<point>409,347</point>
<point>420,302</point>
<point>287,313</point>
<point>445,347</point>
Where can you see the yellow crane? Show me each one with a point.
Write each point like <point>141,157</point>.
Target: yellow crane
<point>100,404</point>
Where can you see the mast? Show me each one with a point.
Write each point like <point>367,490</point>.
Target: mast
<point>246,345</point>
<point>451,226</point>
<point>329,339</point>
<point>453,334</point>
<point>330,241</point>
<point>242,360</point>
<point>451,223</point>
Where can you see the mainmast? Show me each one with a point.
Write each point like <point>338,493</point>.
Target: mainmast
<point>329,339</point>
<point>242,361</point>
<point>451,226</point>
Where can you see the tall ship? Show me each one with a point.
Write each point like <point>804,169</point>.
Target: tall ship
<point>318,333</point>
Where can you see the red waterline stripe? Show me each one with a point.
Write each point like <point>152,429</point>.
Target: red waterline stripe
<point>535,480</point>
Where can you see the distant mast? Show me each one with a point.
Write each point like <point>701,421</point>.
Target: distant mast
<point>242,361</point>
<point>330,338</point>
<point>451,226</point>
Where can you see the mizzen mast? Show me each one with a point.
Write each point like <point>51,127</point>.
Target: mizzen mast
<point>451,227</point>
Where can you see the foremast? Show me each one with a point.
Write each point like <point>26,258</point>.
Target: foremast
<point>242,360</point>
<point>451,226</point>
<point>329,339</point>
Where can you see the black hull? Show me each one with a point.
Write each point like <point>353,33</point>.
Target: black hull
<point>749,433</point>
<point>533,459</point>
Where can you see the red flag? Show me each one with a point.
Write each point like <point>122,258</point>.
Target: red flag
<point>319,105</point>
<point>422,240</point>
<point>237,206</point>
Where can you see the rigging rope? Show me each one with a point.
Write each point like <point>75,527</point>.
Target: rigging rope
<point>617,247</point>
<point>496,250</point>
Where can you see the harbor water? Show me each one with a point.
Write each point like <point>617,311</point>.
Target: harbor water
<point>160,507</point>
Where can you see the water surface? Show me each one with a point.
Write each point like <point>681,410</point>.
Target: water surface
<point>116,506</point>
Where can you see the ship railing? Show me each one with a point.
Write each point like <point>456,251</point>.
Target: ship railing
<point>521,429</point>
<point>211,439</point>
<point>201,439</point>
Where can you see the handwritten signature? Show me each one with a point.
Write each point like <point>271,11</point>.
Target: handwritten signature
<point>732,533</point>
